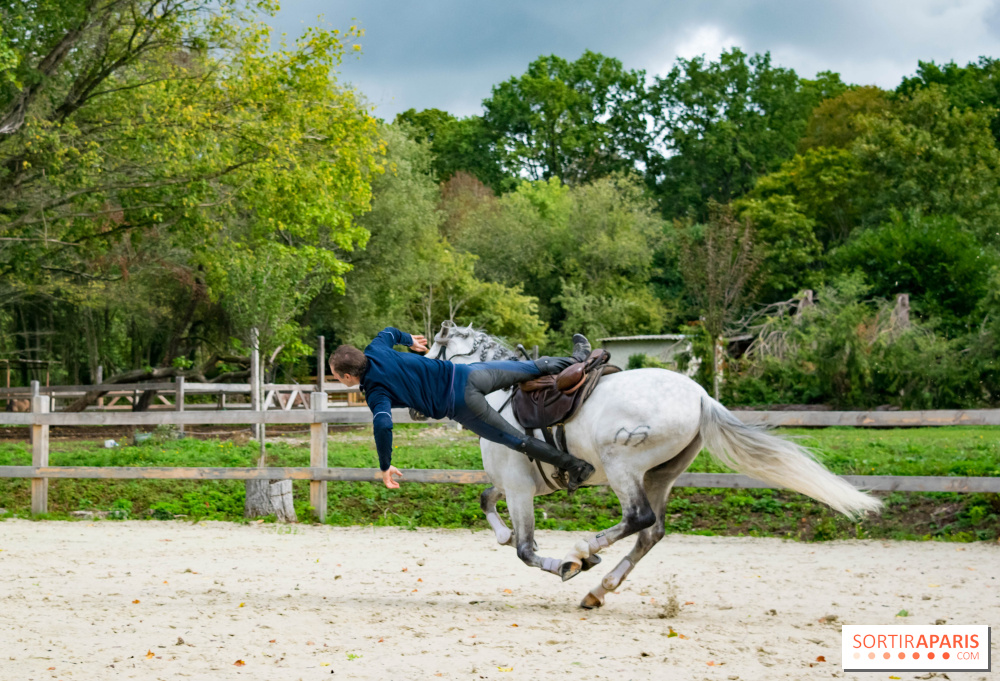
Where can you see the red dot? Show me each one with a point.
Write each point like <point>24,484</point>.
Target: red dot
<point>916,656</point>
<point>902,655</point>
<point>885,656</point>
<point>945,655</point>
<point>930,656</point>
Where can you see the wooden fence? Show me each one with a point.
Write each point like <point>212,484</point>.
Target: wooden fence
<point>318,417</point>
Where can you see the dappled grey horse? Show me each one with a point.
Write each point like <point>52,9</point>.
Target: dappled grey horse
<point>640,429</point>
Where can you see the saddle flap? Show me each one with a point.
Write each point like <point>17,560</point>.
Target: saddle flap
<point>548,400</point>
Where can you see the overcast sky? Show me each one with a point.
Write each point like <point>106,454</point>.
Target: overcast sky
<point>447,54</point>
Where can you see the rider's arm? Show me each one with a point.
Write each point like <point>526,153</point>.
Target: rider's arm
<point>391,336</point>
<point>381,408</point>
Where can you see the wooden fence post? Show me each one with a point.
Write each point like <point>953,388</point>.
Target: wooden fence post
<point>39,454</point>
<point>34,394</point>
<point>179,401</point>
<point>321,365</point>
<point>100,379</point>
<point>318,456</point>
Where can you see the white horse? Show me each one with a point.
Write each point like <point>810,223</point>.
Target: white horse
<point>640,430</point>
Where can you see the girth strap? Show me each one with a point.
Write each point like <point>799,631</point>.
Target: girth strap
<point>556,439</point>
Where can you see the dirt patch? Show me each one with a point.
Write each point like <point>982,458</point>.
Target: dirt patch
<point>151,600</point>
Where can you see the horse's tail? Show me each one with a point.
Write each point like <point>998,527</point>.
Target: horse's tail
<point>752,451</point>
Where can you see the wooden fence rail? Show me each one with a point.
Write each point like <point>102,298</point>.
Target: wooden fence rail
<point>319,474</point>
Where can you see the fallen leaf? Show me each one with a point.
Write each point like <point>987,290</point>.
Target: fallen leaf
<point>439,674</point>
<point>242,604</point>
<point>135,602</point>
<point>310,643</point>
<point>507,591</point>
<point>405,569</point>
<point>51,668</point>
<point>821,659</point>
<point>150,655</point>
<point>414,591</point>
<point>710,663</point>
<point>893,677</point>
<point>239,663</point>
<point>273,640</point>
<point>513,625</point>
<point>324,664</point>
<point>505,669</point>
<point>688,602</point>
<point>671,633</point>
<point>419,579</point>
<point>165,581</point>
<point>902,613</point>
<point>381,640</point>
<point>682,636</point>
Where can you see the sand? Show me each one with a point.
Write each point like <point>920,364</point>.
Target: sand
<point>172,600</point>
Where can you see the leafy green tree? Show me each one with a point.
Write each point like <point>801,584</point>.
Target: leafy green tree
<point>787,245</point>
<point>827,186</point>
<point>146,135</point>
<point>834,121</point>
<point>458,145</point>
<point>930,156</point>
<point>943,267</point>
<point>577,121</point>
<point>407,275</point>
<point>973,86</point>
<point>724,124</point>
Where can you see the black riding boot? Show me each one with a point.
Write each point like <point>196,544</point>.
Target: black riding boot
<point>577,470</point>
<point>553,365</point>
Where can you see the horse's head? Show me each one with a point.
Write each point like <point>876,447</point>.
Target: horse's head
<point>465,345</point>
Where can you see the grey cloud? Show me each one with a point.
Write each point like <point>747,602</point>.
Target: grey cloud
<point>449,53</point>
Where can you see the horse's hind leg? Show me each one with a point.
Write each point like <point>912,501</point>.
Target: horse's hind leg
<point>522,515</point>
<point>637,515</point>
<point>488,502</point>
<point>658,482</point>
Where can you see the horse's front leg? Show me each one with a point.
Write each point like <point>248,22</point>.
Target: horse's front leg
<point>488,502</point>
<point>521,506</point>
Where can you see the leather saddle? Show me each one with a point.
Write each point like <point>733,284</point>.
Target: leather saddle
<point>552,400</point>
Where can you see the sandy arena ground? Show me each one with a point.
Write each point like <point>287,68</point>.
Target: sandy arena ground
<point>171,600</point>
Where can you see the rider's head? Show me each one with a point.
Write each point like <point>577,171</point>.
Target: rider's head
<point>348,365</point>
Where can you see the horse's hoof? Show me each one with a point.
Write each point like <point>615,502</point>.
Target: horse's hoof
<point>591,561</point>
<point>590,601</point>
<point>569,570</point>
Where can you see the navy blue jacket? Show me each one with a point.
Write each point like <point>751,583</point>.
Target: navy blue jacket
<point>403,379</point>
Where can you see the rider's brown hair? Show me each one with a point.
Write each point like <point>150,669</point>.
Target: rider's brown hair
<point>347,359</point>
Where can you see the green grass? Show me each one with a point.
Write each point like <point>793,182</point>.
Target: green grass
<point>956,451</point>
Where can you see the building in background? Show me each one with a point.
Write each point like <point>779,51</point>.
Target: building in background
<point>671,349</point>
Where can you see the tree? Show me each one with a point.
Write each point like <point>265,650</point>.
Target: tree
<point>826,184</point>
<point>942,267</point>
<point>577,121</point>
<point>787,246</point>
<point>834,121</point>
<point>974,86</point>
<point>458,145</point>
<point>929,156</point>
<point>140,136</point>
<point>724,124</point>
<point>719,266</point>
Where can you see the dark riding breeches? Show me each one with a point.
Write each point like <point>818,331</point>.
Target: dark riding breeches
<point>474,412</point>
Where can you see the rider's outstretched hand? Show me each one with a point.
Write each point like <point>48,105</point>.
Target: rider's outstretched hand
<point>387,477</point>
<point>419,343</point>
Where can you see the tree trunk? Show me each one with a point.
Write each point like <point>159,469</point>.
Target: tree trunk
<point>266,497</point>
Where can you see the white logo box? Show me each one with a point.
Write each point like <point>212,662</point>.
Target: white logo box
<point>915,647</point>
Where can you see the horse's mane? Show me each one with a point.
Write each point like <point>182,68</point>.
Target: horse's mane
<point>489,347</point>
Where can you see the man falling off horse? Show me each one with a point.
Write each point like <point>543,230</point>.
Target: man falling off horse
<point>443,389</point>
